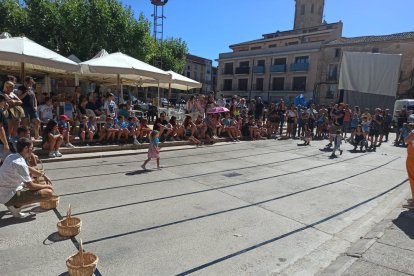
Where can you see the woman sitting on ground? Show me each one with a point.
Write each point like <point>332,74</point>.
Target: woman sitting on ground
<point>178,129</point>
<point>52,139</point>
<point>189,130</point>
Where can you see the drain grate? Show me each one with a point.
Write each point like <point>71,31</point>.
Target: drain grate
<point>232,174</point>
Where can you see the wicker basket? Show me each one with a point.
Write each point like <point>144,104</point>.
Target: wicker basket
<point>51,203</point>
<point>69,226</point>
<point>82,263</point>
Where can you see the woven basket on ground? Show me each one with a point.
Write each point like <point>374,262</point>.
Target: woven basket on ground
<point>69,226</point>
<point>51,203</point>
<point>82,263</point>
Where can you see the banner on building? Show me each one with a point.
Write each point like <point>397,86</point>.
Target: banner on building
<point>370,73</point>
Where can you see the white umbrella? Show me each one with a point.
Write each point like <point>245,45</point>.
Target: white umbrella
<point>178,81</point>
<point>21,52</point>
<point>125,68</point>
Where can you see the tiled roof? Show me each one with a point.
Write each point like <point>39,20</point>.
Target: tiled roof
<point>372,38</point>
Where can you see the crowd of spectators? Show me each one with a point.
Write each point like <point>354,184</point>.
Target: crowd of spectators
<point>97,119</point>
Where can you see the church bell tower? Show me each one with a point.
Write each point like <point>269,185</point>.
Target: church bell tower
<point>308,13</point>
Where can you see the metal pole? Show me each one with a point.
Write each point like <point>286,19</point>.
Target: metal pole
<point>118,85</point>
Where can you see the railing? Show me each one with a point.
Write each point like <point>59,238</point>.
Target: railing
<point>228,72</point>
<point>278,68</point>
<point>299,67</point>
<point>258,69</point>
<point>243,70</point>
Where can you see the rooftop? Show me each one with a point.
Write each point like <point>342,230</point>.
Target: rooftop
<point>372,38</point>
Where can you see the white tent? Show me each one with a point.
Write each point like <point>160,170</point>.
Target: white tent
<point>21,53</point>
<point>177,82</point>
<point>124,68</point>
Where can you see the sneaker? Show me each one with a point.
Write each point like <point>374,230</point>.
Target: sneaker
<point>16,212</point>
<point>136,142</point>
<point>58,154</point>
<point>52,154</point>
<point>69,145</point>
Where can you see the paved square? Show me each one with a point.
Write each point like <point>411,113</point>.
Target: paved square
<point>229,209</point>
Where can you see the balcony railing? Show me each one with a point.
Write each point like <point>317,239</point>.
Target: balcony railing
<point>258,69</point>
<point>299,67</point>
<point>228,72</point>
<point>243,70</point>
<point>278,68</point>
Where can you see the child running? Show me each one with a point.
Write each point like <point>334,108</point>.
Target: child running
<point>337,143</point>
<point>153,149</point>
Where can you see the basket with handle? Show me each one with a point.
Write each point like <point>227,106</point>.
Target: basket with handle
<point>82,263</point>
<point>69,226</point>
<point>41,169</point>
<point>50,203</point>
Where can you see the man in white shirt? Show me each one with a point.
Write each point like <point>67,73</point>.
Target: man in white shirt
<point>16,185</point>
<point>110,107</point>
<point>46,110</point>
<point>222,101</point>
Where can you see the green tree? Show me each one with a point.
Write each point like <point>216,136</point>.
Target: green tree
<point>13,17</point>
<point>84,27</point>
<point>174,52</point>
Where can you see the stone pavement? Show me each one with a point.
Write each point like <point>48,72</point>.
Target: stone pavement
<point>250,208</point>
<point>388,249</point>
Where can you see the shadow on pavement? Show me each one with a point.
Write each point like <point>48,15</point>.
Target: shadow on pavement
<point>11,220</point>
<point>54,237</point>
<point>405,222</point>
<point>138,172</point>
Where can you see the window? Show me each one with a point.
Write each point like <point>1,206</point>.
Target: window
<point>338,52</point>
<point>375,50</point>
<point>188,67</point>
<point>333,72</point>
<point>312,8</point>
<point>228,68</point>
<point>188,75</point>
<point>273,46</point>
<point>243,84</point>
<point>256,48</point>
<point>259,84</point>
<point>279,61</point>
<point>228,85</point>
<point>278,84</point>
<point>244,64</point>
<point>302,10</point>
<point>299,84</point>
<point>292,43</point>
<point>261,63</point>
<point>302,60</point>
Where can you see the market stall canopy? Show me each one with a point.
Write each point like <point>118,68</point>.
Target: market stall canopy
<point>177,82</point>
<point>126,67</point>
<point>16,51</point>
<point>74,58</point>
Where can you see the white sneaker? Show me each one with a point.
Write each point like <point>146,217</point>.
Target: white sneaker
<point>52,154</point>
<point>69,145</point>
<point>136,142</point>
<point>16,212</point>
<point>58,154</point>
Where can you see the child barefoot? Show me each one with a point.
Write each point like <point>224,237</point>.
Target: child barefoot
<point>153,149</point>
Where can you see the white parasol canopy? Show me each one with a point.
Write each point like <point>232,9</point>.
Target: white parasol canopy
<point>177,82</point>
<point>18,52</point>
<point>125,67</point>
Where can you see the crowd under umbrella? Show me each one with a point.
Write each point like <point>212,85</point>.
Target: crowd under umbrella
<point>20,54</point>
<point>124,69</point>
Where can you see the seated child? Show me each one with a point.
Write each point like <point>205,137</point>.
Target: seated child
<point>52,139</point>
<point>122,128</point>
<point>86,129</point>
<point>64,129</point>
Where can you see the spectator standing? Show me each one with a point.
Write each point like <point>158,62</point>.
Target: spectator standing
<point>222,101</point>
<point>29,104</point>
<point>4,133</point>
<point>409,140</point>
<point>14,110</point>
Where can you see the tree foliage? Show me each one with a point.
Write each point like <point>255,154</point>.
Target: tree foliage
<point>84,27</point>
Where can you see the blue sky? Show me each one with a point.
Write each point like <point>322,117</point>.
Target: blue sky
<point>210,26</point>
